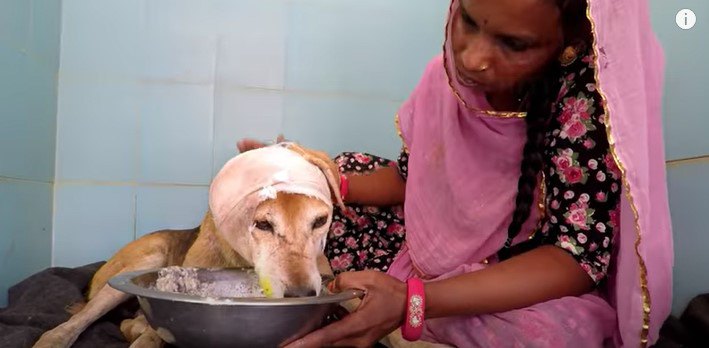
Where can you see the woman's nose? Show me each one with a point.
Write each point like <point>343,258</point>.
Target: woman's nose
<point>476,56</point>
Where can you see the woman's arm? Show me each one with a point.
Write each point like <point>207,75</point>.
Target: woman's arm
<point>542,274</point>
<point>383,187</point>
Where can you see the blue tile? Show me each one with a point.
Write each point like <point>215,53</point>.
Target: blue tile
<point>91,223</point>
<point>242,114</point>
<point>171,207</point>
<point>97,131</point>
<point>251,53</point>
<point>178,57</point>
<point>688,191</point>
<point>180,16</point>
<point>26,238</point>
<point>14,23</point>
<point>28,108</point>
<point>686,74</point>
<point>101,38</point>
<point>45,32</point>
<point>336,124</point>
<point>176,125</point>
<point>364,47</point>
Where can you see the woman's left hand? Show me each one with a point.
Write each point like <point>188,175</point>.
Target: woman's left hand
<point>381,311</point>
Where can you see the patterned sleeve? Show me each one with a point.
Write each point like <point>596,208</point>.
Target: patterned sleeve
<point>583,181</point>
<point>403,163</point>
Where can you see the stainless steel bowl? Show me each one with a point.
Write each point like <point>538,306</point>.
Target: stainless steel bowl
<point>192,321</point>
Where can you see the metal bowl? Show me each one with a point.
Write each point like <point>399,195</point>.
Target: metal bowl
<point>192,321</point>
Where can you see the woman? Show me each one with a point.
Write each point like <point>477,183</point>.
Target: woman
<point>512,257</point>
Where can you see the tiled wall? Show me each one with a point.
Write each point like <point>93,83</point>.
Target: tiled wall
<point>29,58</point>
<point>154,95</point>
<point>686,124</point>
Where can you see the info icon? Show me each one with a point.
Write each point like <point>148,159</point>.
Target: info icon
<point>686,19</point>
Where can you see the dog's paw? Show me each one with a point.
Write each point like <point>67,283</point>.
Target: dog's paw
<point>149,339</point>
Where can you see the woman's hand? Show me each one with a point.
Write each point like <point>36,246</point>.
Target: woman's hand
<point>247,144</point>
<point>381,311</point>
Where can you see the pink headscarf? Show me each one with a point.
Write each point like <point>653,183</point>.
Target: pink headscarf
<point>460,218</point>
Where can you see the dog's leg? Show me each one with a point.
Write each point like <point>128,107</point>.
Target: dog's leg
<point>66,334</point>
<point>150,251</point>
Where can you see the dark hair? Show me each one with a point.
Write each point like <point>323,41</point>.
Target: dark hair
<point>541,94</point>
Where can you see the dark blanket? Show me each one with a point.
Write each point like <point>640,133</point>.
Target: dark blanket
<point>39,303</point>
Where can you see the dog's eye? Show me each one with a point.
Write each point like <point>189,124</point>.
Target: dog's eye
<point>320,222</point>
<point>264,226</point>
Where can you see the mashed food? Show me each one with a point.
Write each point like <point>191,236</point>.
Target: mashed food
<point>186,281</point>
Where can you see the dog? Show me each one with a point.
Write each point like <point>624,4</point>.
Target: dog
<point>260,216</point>
<point>280,233</point>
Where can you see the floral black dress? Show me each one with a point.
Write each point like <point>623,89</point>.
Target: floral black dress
<point>582,196</point>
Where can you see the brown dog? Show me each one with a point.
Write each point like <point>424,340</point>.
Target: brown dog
<point>296,224</point>
<point>293,268</point>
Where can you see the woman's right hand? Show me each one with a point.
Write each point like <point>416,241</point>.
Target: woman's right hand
<point>248,144</point>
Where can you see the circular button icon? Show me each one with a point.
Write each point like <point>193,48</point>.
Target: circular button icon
<point>686,19</point>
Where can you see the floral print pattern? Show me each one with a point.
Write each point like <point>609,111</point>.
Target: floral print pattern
<point>583,209</point>
<point>363,237</point>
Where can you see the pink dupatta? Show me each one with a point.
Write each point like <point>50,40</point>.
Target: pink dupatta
<point>464,166</point>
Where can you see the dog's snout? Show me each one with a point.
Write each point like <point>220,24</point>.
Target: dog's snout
<point>299,292</point>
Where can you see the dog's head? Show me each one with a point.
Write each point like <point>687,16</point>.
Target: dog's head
<point>274,207</point>
<point>289,235</point>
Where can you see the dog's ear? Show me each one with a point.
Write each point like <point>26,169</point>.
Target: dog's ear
<point>326,165</point>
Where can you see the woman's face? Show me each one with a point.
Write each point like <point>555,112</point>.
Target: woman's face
<point>500,44</point>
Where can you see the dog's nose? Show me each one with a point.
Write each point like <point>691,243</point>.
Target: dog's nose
<point>299,292</point>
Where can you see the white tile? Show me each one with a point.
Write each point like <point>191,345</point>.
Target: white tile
<point>26,237</point>
<point>172,207</point>
<point>337,124</point>
<point>685,92</point>
<point>176,125</point>
<point>252,42</point>
<point>242,114</point>
<point>176,57</point>
<point>14,23</point>
<point>101,38</point>
<point>367,47</point>
<point>97,131</point>
<point>688,190</point>
<point>28,111</point>
<point>91,223</point>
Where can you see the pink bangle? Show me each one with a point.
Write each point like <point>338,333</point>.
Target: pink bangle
<point>344,186</point>
<point>412,328</point>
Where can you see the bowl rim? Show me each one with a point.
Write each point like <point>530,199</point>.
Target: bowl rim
<point>123,282</point>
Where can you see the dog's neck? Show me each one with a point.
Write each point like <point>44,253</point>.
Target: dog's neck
<point>210,250</point>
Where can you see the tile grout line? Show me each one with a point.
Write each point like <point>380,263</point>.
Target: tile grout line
<point>135,214</point>
<point>125,183</point>
<point>687,160</point>
<point>237,87</point>
<point>216,86</point>
<point>21,180</point>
